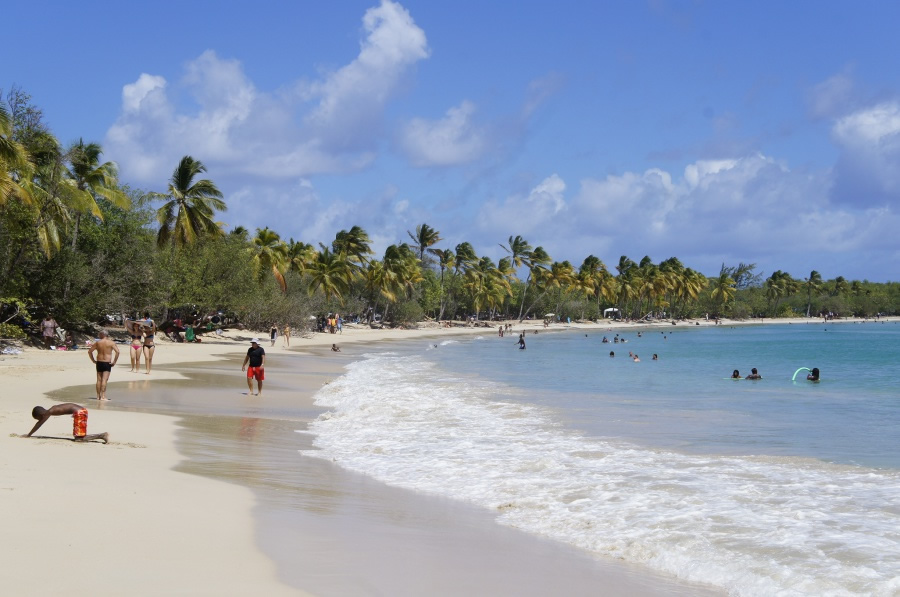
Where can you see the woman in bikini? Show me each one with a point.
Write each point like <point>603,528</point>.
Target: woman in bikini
<point>134,329</point>
<point>149,329</point>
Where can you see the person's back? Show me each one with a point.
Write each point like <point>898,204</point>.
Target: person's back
<point>103,349</point>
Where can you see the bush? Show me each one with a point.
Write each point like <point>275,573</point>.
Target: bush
<point>11,332</point>
<point>407,313</point>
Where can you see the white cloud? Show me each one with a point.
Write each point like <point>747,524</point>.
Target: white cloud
<point>234,127</point>
<point>449,141</point>
<point>536,210</point>
<point>353,96</point>
<point>832,96</point>
<point>751,209</point>
<point>866,173</point>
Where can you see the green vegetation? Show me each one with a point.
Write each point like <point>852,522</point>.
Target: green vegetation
<point>78,242</point>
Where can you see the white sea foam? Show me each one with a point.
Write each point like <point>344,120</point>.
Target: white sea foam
<point>754,526</point>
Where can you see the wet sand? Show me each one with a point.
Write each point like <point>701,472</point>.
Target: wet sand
<point>334,532</point>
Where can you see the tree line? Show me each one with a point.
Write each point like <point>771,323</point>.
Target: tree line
<point>78,242</point>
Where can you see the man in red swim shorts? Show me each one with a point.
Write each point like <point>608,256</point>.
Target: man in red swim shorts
<point>79,415</point>
<point>256,357</point>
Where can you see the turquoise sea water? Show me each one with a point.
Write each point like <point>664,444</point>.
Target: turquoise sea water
<point>685,400</point>
<point>768,487</point>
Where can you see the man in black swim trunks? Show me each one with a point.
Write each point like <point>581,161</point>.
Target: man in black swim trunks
<point>104,360</point>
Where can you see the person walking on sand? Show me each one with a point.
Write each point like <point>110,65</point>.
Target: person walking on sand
<point>104,349</point>
<point>286,333</point>
<point>134,330</point>
<point>149,329</point>
<point>273,334</point>
<point>256,357</point>
<point>48,331</point>
<point>79,416</point>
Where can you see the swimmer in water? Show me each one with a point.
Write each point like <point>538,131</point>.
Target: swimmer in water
<point>754,374</point>
<point>813,375</point>
<point>736,375</point>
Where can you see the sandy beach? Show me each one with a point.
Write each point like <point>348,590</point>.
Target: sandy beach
<point>146,515</point>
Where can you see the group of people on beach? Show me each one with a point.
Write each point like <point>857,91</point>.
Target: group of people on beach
<point>142,332</point>
<point>285,333</point>
<point>104,354</point>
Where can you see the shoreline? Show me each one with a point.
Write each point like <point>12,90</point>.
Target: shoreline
<point>143,459</point>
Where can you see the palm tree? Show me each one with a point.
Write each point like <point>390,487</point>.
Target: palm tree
<point>465,257</point>
<point>332,273</point>
<point>15,163</point>
<point>693,283</point>
<point>355,244</point>
<point>270,254</point>
<point>813,284</point>
<point>400,273</point>
<point>425,237</point>
<point>487,284</point>
<point>625,285</point>
<point>537,262</point>
<point>584,284</point>
<point>723,289</point>
<point>520,253</point>
<point>188,212</point>
<point>778,286</point>
<point>560,276</point>
<point>595,270</point>
<point>239,232</point>
<point>840,286</point>
<point>92,179</point>
<point>446,261</point>
<point>300,256</point>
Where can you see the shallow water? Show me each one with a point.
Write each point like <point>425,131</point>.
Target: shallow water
<point>332,531</point>
<point>759,487</point>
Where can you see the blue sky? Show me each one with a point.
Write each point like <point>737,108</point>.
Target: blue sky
<point>763,132</point>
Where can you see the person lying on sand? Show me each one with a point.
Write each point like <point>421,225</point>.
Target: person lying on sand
<point>79,416</point>
<point>335,348</point>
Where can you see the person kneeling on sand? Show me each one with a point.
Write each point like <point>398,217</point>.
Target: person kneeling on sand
<point>79,416</point>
